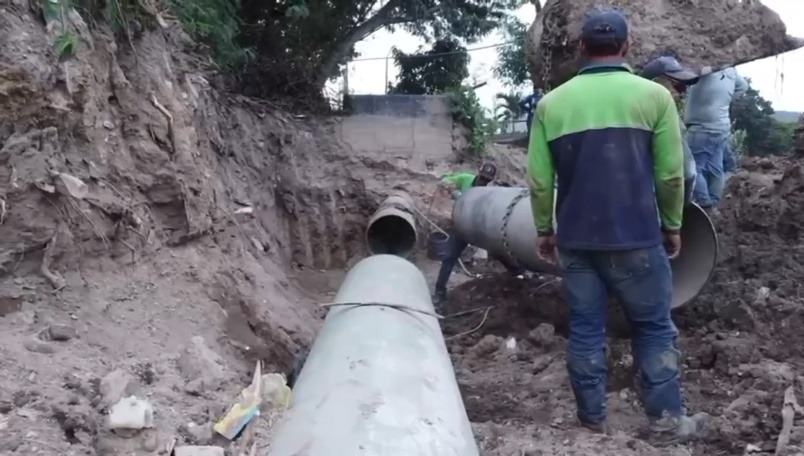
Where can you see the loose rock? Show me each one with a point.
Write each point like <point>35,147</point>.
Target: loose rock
<point>37,346</point>
<point>117,385</point>
<point>199,451</point>
<point>198,361</point>
<point>61,333</point>
<point>487,346</point>
<point>543,336</point>
<point>131,413</point>
<point>197,434</point>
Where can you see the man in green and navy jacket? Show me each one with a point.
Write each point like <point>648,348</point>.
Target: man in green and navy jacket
<point>611,141</point>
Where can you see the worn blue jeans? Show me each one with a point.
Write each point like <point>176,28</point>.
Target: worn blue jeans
<point>455,246</point>
<point>708,149</point>
<point>641,281</point>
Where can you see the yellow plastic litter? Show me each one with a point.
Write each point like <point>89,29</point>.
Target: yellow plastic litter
<point>243,410</point>
<point>269,391</point>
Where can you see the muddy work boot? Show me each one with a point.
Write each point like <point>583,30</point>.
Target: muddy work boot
<point>674,431</point>
<point>439,300</point>
<point>597,428</point>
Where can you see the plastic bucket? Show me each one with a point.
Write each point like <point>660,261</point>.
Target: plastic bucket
<point>437,246</point>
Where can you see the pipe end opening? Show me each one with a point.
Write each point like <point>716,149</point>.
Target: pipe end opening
<point>697,259</point>
<point>392,235</point>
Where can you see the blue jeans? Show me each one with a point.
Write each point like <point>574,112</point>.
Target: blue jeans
<point>455,247</point>
<point>708,150</point>
<point>641,281</point>
<point>729,160</point>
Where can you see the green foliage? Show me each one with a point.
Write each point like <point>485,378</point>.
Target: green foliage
<point>737,140</point>
<point>56,12</point>
<point>512,63</point>
<point>216,24</point>
<point>299,44</point>
<point>508,110</point>
<point>783,135</point>
<point>467,110</point>
<point>764,135</point>
<point>444,66</point>
<point>66,44</point>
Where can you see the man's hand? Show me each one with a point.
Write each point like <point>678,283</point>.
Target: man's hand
<point>546,248</point>
<point>672,242</point>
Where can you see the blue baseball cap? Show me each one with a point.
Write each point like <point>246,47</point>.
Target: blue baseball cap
<point>670,67</point>
<point>604,25</point>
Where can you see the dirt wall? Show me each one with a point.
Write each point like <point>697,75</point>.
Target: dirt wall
<point>700,33</point>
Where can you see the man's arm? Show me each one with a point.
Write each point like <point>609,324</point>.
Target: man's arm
<point>668,164</point>
<point>524,104</point>
<point>740,84</point>
<point>540,175</point>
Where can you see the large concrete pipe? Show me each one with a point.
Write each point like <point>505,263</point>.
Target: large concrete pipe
<point>392,228</point>
<point>378,379</point>
<point>480,218</point>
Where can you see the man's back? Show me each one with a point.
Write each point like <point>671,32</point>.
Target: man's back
<point>610,133</point>
<point>708,101</point>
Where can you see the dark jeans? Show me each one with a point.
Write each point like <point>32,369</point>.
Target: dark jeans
<point>530,122</point>
<point>455,246</point>
<point>642,282</point>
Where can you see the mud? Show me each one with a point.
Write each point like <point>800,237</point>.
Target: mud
<point>741,339</point>
<point>199,213</point>
<point>700,33</point>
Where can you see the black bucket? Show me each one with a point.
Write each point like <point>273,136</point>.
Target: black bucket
<point>437,246</point>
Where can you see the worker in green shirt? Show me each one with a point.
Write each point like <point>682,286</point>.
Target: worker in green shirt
<point>459,183</point>
<point>612,142</point>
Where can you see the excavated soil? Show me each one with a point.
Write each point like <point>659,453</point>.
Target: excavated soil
<point>159,235</point>
<point>699,32</point>
<point>741,339</point>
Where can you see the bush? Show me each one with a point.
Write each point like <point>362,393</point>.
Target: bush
<point>467,110</point>
<point>737,140</point>
<point>216,24</point>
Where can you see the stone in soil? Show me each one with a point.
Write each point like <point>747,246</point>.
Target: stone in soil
<point>61,333</point>
<point>197,434</point>
<point>37,346</point>
<point>198,361</point>
<point>199,451</point>
<point>117,385</point>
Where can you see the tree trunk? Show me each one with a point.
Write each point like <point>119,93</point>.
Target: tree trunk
<point>383,18</point>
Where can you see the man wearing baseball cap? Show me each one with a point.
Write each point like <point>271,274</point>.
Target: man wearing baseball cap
<point>611,141</point>
<point>668,72</point>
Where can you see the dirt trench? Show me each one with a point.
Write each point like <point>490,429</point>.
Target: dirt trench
<point>158,235</point>
<point>211,224</point>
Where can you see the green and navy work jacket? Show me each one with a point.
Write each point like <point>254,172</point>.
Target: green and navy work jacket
<point>611,141</point>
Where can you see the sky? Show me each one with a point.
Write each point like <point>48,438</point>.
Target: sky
<point>774,77</point>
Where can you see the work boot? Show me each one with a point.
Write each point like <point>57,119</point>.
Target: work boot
<point>439,299</point>
<point>597,428</point>
<point>674,431</point>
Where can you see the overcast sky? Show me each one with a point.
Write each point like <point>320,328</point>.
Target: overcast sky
<point>774,77</point>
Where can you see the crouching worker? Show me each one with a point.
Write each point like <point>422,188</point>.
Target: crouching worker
<point>676,79</point>
<point>459,183</point>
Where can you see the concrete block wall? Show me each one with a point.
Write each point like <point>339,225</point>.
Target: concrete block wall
<point>405,130</point>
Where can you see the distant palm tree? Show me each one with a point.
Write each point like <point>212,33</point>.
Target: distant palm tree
<point>508,110</point>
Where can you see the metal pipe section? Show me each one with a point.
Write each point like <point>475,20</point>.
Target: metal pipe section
<point>392,228</point>
<point>479,218</point>
<point>378,380</point>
